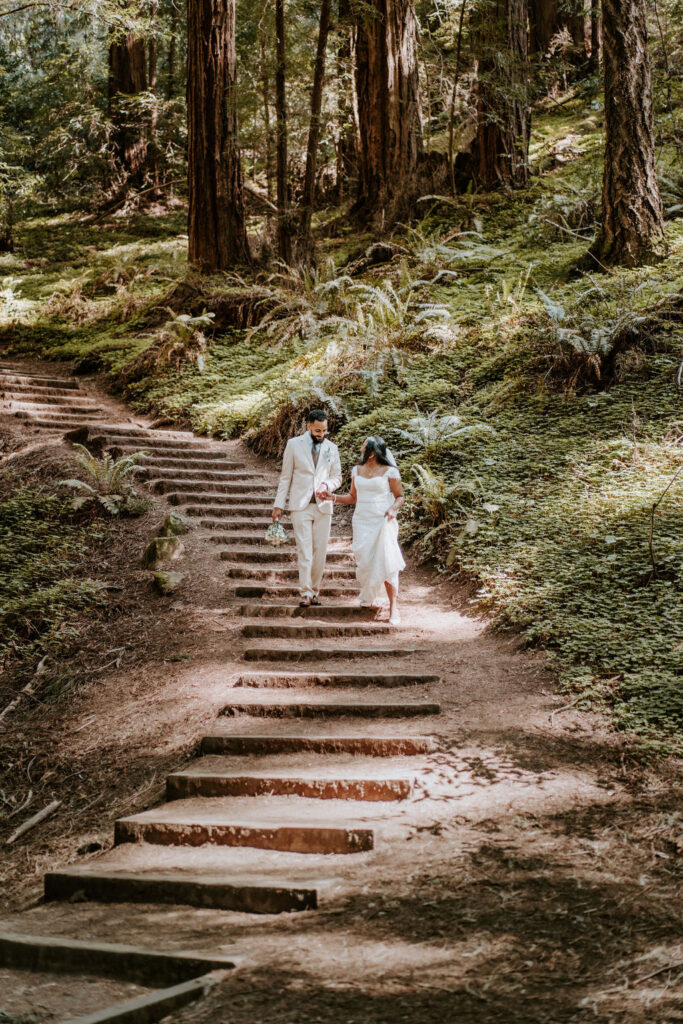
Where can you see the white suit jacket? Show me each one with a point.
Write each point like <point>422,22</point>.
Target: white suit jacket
<point>300,477</point>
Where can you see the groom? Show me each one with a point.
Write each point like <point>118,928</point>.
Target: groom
<point>310,464</point>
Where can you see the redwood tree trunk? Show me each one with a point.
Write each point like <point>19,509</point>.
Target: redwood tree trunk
<point>632,220</point>
<point>388,97</point>
<point>216,217</point>
<point>284,227</point>
<point>153,154</point>
<point>265,87</point>
<point>501,147</point>
<point>305,240</point>
<point>172,48</point>
<point>544,22</point>
<point>596,30</point>
<point>128,78</point>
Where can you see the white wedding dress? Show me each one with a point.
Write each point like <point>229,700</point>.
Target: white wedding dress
<point>375,539</point>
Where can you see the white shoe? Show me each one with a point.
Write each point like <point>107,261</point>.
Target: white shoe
<point>395,619</point>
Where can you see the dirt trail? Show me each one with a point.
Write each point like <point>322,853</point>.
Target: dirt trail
<point>382,824</point>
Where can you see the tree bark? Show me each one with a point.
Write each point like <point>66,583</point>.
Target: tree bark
<point>265,88</point>
<point>284,227</point>
<point>451,115</point>
<point>632,220</point>
<point>128,78</point>
<point>388,96</point>
<point>306,208</point>
<point>216,217</point>
<point>172,47</point>
<point>153,153</point>
<point>544,22</point>
<point>501,147</point>
<point>595,35</point>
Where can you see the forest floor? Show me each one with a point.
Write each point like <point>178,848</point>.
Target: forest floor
<point>536,879</point>
<point>474,311</point>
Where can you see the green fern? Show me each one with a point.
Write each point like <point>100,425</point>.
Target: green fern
<point>110,481</point>
<point>432,430</point>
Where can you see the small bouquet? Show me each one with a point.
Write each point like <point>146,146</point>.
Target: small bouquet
<point>276,535</point>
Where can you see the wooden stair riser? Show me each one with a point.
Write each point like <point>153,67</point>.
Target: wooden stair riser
<point>211,463</point>
<point>300,631</point>
<point>269,554</point>
<point>291,680</point>
<point>129,888</point>
<point>372,746</point>
<point>347,710</point>
<point>201,475</point>
<point>289,839</point>
<point>63,403</point>
<point>273,573</point>
<point>211,492</point>
<point>294,611</point>
<point>258,591</point>
<point>180,787</point>
<point>316,654</point>
<point>44,382</point>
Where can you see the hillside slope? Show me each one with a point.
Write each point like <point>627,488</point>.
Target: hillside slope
<point>571,380</point>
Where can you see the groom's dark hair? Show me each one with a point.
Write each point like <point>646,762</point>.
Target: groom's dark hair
<point>316,416</point>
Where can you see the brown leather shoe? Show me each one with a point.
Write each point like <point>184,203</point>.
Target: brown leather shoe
<point>316,600</point>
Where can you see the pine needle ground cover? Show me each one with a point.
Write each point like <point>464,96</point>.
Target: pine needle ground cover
<point>479,315</point>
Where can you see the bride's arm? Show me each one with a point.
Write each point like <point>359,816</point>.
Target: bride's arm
<point>340,499</point>
<point>397,491</point>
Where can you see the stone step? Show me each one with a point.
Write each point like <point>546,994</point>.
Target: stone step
<point>237,507</point>
<point>43,392</point>
<point>234,521</point>
<point>272,573</point>
<point>261,590</point>
<point>248,896</point>
<point>58,422</point>
<point>294,611</point>
<point>202,460</point>
<point>201,476</point>
<point>336,679</point>
<point>275,555</point>
<point>259,537</point>
<point>338,779</point>
<point>43,401</point>
<point>244,502</point>
<point>275,823</point>
<point>29,379</point>
<point>304,630</point>
<point>108,960</point>
<point>44,411</point>
<point>370,746</point>
<point>285,653</point>
<point>211,492</point>
<point>182,437</point>
<point>328,709</point>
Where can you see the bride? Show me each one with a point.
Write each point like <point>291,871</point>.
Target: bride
<point>377,493</point>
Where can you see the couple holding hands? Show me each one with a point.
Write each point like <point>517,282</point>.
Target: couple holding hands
<point>311,473</point>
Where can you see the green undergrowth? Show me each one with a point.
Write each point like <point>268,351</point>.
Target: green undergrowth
<point>42,594</point>
<point>478,315</point>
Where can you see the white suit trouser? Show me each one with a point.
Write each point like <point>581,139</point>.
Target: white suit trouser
<point>311,533</point>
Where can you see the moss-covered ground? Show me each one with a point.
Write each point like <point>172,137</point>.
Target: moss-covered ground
<point>479,314</point>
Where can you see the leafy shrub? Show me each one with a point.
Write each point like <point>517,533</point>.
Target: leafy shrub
<point>181,341</point>
<point>589,350</point>
<point>111,483</point>
<point>432,430</point>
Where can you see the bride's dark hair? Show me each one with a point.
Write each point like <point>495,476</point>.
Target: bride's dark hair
<point>379,447</point>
